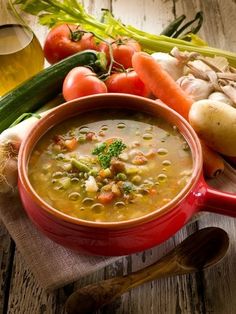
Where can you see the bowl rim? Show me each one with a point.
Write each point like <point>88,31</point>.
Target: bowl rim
<point>186,131</point>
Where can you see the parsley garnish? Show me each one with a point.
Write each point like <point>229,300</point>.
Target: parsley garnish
<point>104,160</point>
<point>105,153</point>
<point>99,148</point>
<point>115,148</point>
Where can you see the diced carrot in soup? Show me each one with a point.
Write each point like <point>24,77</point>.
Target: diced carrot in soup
<point>106,197</point>
<point>71,143</point>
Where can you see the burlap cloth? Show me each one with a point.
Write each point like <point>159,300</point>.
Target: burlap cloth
<point>53,265</point>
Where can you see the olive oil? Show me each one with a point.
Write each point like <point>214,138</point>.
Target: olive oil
<point>21,56</point>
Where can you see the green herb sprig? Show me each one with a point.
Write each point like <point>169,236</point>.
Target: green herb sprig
<point>99,149</point>
<point>105,153</point>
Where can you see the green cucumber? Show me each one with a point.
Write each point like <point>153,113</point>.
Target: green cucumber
<point>39,89</point>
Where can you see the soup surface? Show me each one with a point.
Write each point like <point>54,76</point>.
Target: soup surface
<point>110,165</point>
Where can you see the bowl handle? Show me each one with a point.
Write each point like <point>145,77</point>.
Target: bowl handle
<point>217,201</point>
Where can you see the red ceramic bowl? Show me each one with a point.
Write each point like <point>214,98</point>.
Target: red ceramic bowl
<point>120,238</point>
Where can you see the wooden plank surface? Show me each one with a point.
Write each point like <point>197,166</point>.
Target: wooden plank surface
<point>210,292</point>
<point>6,260</point>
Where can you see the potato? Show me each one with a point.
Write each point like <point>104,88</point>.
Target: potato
<point>215,123</point>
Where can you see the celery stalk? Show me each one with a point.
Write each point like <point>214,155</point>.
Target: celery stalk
<point>51,12</point>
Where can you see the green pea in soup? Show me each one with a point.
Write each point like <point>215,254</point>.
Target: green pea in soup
<point>110,166</point>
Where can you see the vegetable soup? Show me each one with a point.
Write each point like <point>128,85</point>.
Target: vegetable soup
<point>110,165</point>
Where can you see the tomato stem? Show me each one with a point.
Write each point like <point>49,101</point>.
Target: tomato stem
<point>112,61</point>
<point>75,35</point>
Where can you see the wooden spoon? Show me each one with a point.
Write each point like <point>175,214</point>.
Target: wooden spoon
<point>200,250</point>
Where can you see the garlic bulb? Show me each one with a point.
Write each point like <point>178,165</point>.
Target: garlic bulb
<point>170,64</point>
<point>196,88</point>
<point>221,97</point>
<point>230,91</point>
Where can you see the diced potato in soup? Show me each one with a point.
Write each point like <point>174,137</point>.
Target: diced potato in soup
<point>110,166</point>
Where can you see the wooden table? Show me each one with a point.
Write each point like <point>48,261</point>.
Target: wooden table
<point>211,291</point>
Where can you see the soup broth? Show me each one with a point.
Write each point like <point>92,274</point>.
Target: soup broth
<point>110,165</point>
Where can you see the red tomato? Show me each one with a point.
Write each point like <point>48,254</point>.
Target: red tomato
<point>66,39</point>
<point>122,49</point>
<point>126,82</point>
<point>80,82</point>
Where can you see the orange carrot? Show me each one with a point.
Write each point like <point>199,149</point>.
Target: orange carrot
<point>152,191</point>
<point>165,89</point>
<point>71,144</point>
<point>213,164</point>
<point>161,83</point>
<point>106,197</point>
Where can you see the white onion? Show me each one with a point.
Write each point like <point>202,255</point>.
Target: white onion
<point>91,185</point>
<point>170,64</point>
